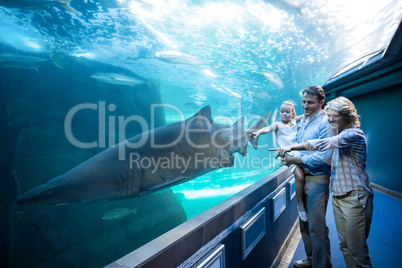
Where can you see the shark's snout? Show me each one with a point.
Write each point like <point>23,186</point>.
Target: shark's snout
<point>35,196</point>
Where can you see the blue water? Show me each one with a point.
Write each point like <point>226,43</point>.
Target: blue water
<point>206,191</point>
<point>242,58</point>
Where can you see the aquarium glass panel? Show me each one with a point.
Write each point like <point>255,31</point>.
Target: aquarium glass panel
<point>122,119</point>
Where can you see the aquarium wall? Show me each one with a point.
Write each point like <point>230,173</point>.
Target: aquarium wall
<point>374,84</point>
<point>253,227</point>
<point>84,82</point>
<point>382,136</point>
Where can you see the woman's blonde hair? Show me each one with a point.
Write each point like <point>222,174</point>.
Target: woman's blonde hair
<point>346,108</point>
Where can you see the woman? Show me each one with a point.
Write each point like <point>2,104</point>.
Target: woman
<point>352,194</point>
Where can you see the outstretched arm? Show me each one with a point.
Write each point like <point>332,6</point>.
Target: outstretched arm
<point>280,152</point>
<point>264,130</point>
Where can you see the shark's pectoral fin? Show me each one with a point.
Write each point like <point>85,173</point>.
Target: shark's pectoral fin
<point>243,150</point>
<point>238,129</point>
<point>254,143</point>
<point>238,135</point>
<point>257,126</point>
<point>233,138</point>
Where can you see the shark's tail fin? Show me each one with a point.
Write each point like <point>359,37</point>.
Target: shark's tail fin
<point>257,126</point>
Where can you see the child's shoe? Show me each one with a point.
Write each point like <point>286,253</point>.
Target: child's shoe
<point>302,214</point>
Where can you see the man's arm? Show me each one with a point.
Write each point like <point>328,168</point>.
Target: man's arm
<point>281,151</point>
<point>290,160</point>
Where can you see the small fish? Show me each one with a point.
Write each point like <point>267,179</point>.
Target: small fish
<point>273,78</point>
<point>119,213</point>
<point>179,58</point>
<point>118,79</point>
<point>23,61</point>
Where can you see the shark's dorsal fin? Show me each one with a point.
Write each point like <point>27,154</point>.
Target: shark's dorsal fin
<point>205,113</point>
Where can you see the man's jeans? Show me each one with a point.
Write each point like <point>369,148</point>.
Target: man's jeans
<point>315,231</point>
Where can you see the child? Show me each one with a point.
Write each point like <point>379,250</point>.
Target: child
<point>286,131</point>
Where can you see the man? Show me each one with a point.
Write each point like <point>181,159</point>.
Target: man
<point>314,125</point>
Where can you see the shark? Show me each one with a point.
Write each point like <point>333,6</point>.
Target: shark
<point>26,61</point>
<point>273,78</point>
<point>156,159</point>
<point>118,79</point>
<point>179,58</point>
